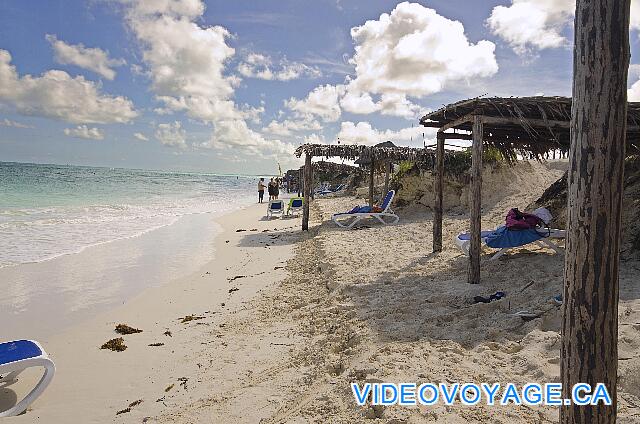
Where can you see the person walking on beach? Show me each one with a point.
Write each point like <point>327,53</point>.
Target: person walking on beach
<point>276,189</point>
<point>261,188</point>
<point>271,189</point>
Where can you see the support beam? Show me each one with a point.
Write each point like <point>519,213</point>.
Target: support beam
<point>387,173</point>
<point>512,120</point>
<point>589,352</point>
<point>456,136</point>
<point>462,120</point>
<point>307,192</point>
<point>371,171</point>
<point>438,188</point>
<point>475,193</point>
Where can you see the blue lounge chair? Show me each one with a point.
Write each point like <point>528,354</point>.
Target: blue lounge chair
<point>329,190</point>
<point>275,207</point>
<point>504,239</point>
<point>17,356</point>
<point>295,206</point>
<point>349,219</point>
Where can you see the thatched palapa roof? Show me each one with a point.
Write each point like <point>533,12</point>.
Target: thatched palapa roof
<point>355,151</point>
<point>520,124</point>
<point>424,158</point>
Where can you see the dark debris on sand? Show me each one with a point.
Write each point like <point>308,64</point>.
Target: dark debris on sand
<point>189,318</point>
<point>124,329</point>
<point>116,345</point>
<point>236,278</point>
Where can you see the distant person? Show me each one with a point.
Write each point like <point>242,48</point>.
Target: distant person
<point>276,189</point>
<point>261,188</point>
<point>271,189</point>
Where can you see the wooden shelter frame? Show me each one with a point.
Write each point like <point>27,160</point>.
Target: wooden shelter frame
<point>530,126</point>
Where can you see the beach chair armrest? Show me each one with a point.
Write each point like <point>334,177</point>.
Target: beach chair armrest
<point>15,368</point>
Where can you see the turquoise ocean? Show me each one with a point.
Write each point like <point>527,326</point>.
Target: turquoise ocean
<point>51,210</point>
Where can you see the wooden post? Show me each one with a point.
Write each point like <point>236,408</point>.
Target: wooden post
<point>307,192</point>
<point>438,188</point>
<point>387,171</point>
<point>371,181</point>
<point>589,351</point>
<point>476,202</point>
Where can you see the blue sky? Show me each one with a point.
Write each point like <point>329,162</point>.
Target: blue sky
<point>230,87</point>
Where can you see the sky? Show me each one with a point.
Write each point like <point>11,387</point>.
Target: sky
<point>235,86</point>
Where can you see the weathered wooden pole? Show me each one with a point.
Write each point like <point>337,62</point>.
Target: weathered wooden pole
<point>387,172</point>
<point>596,167</point>
<point>371,171</point>
<point>438,189</point>
<point>476,202</point>
<point>307,192</point>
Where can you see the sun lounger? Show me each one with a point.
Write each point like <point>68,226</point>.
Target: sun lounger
<point>329,190</point>
<point>275,207</point>
<point>505,239</point>
<point>349,219</point>
<point>295,206</point>
<point>17,356</point>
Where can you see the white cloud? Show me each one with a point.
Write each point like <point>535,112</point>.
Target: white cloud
<point>9,123</point>
<point>140,136</point>
<point>82,131</point>
<point>176,8</point>
<point>287,127</point>
<point>185,61</point>
<point>322,102</point>
<point>635,15</point>
<point>259,66</point>
<point>364,133</point>
<point>414,51</point>
<point>186,64</point>
<point>235,136</point>
<point>410,52</point>
<point>633,93</point>
<point>539,24</point>
<point>57,95</point>
<point>91,58</point>
<point>253,114</point>
<point>315,139</point>
<point>172,134</point>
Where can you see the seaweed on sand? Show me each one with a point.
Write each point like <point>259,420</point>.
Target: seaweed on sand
<point>116,345</point>
<point>190,318</point>
<point>125,329</point>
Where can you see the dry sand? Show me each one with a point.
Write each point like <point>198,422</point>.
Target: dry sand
<point>370,304</point>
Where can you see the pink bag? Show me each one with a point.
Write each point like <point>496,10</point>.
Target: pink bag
<point>517,220</point>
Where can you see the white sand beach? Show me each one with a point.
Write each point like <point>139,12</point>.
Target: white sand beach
<point>316,311</point>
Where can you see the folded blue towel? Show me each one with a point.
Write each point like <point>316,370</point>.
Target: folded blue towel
<point>467,236</point>
<point>504,237</point>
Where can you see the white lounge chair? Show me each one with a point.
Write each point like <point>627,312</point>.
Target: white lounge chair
<point>17,356</point>
<point>349,219</point>
<point>295,206</point>
<point>463,241</point>
<point>275,207</point>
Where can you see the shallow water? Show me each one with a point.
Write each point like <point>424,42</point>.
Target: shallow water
<point>75,241</point>
<point>51,210</point>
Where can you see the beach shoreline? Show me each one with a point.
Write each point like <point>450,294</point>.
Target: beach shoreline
<point>97,383</point>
